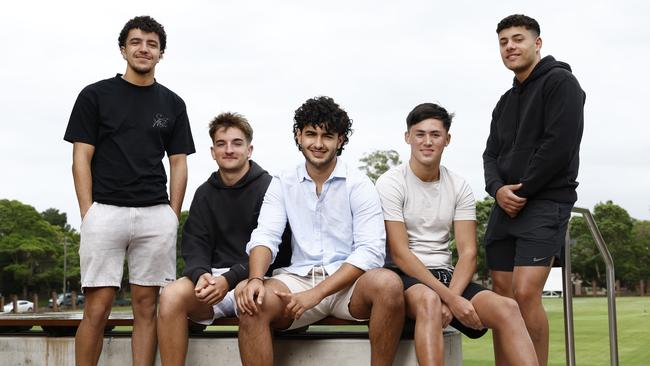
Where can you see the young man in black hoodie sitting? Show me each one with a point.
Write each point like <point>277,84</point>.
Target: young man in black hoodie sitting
<point>222,216</point>
<point>531,166</point>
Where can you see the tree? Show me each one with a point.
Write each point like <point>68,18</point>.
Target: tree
<point>54,217</point>
<point>483,209</point>
<point>616,228</point>
<point>180,262</point>
<point>641,240</point>
<point>30,248</point>
<point>378,162</point>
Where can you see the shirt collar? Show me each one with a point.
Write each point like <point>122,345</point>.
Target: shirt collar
<point>340,171</point>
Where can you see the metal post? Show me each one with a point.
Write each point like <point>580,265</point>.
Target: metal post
<point>14,301</point>
<point>568,303</point>
<point>65,263</point>
<point>611,282</point>
<point>55,305</point>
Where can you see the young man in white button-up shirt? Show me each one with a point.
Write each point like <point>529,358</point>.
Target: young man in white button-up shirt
<point>338,246</point>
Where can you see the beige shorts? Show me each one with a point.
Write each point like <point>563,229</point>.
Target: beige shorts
<point>146,235</point>
<point>336,305</point>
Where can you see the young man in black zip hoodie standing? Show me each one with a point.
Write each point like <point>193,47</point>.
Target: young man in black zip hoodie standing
<point>531,166</point>
<point>222,216</point>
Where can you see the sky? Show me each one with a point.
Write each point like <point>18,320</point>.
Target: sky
<point>377,59</point>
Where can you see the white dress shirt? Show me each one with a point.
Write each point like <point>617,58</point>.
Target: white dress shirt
<point>344,224</point>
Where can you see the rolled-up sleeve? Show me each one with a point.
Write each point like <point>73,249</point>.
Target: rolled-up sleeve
<point>369,246</point>
<point>271,221</point>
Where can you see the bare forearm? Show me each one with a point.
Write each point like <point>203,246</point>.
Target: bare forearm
<point>82,175</point>
<point>463,273</point>
<point>342,278</point>
<point>465,233</point>
<point>177,181</point>
<point>259,261</point>
<point>412,266</point>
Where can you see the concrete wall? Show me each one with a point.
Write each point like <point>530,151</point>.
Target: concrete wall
<point>54,351</point>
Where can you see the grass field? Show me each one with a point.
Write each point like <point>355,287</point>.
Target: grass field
<point>591,333</point>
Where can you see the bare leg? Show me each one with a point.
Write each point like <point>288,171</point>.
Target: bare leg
<point>528,286</point>
<point>90,334</point>
<point>379,295</point>
<point>502,285</point>
<point>177,302</point>
<point>143,338</point>
<point>424,306</point>
<point>502,314</point>
<point>255,339</point>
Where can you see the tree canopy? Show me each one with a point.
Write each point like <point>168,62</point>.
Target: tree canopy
<point>31,248</point>
<point>628,241</point>
<point>377,162</point>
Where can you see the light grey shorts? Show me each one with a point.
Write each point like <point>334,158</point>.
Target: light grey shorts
<point>147,235</point>
<point>225,308</point>
<point>336,304</point>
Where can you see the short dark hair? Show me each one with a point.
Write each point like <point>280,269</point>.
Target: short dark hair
<point>146,24</point>
<point>429,110</point>
<point>519,20</point>
<point>323,112</point>
<point>230,119</point>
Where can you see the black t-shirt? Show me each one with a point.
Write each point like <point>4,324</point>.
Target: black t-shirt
<point>131,128</point>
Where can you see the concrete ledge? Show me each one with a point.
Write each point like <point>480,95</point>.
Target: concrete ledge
<point>53,351</point>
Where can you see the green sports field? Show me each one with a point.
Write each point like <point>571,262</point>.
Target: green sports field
<point>591,333</point>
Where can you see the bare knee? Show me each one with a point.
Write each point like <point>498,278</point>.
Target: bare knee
<point>174,299</point>
<point>97,313</point>
<point>269,313</point>
<point>385,287</point>
<point>428,305</point>
<point>526,296</point>
<point>144,307</point>
<point>507,309</point>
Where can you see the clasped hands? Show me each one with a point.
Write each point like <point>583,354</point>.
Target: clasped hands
<point>211,289</point>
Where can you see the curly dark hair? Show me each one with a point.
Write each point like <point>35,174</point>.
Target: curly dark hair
<point>146,24</point>
<point>323,112</point>
<point>519,20</point>
<point>429,110</point>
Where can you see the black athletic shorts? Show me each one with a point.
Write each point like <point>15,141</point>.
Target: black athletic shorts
<point>444,276</point>
<point>533,238</point>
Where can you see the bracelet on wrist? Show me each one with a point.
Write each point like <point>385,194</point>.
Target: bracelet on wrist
<point>256,278</point>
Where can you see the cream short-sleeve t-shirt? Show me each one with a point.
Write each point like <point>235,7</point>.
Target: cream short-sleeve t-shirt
<point>427,209</point>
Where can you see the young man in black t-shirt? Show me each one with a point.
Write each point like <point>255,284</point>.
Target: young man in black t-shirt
<point>121,129</point>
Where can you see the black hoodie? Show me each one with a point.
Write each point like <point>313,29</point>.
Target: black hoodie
<point>220,223</point>
<point>535,135</point>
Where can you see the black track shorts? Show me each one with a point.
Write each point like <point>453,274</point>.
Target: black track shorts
<point>533,238</point>
<point>444,276</point>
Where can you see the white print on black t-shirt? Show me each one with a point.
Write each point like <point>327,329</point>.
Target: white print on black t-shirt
<point>160,121</point>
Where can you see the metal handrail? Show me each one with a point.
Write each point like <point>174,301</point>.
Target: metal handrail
<point>568,291</point>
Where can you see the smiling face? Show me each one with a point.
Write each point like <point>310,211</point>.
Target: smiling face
<point>519,49</point>
<point>427,139</point>
<point>141,51</point>
<point>319,146</point>
<point>231,150</point>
